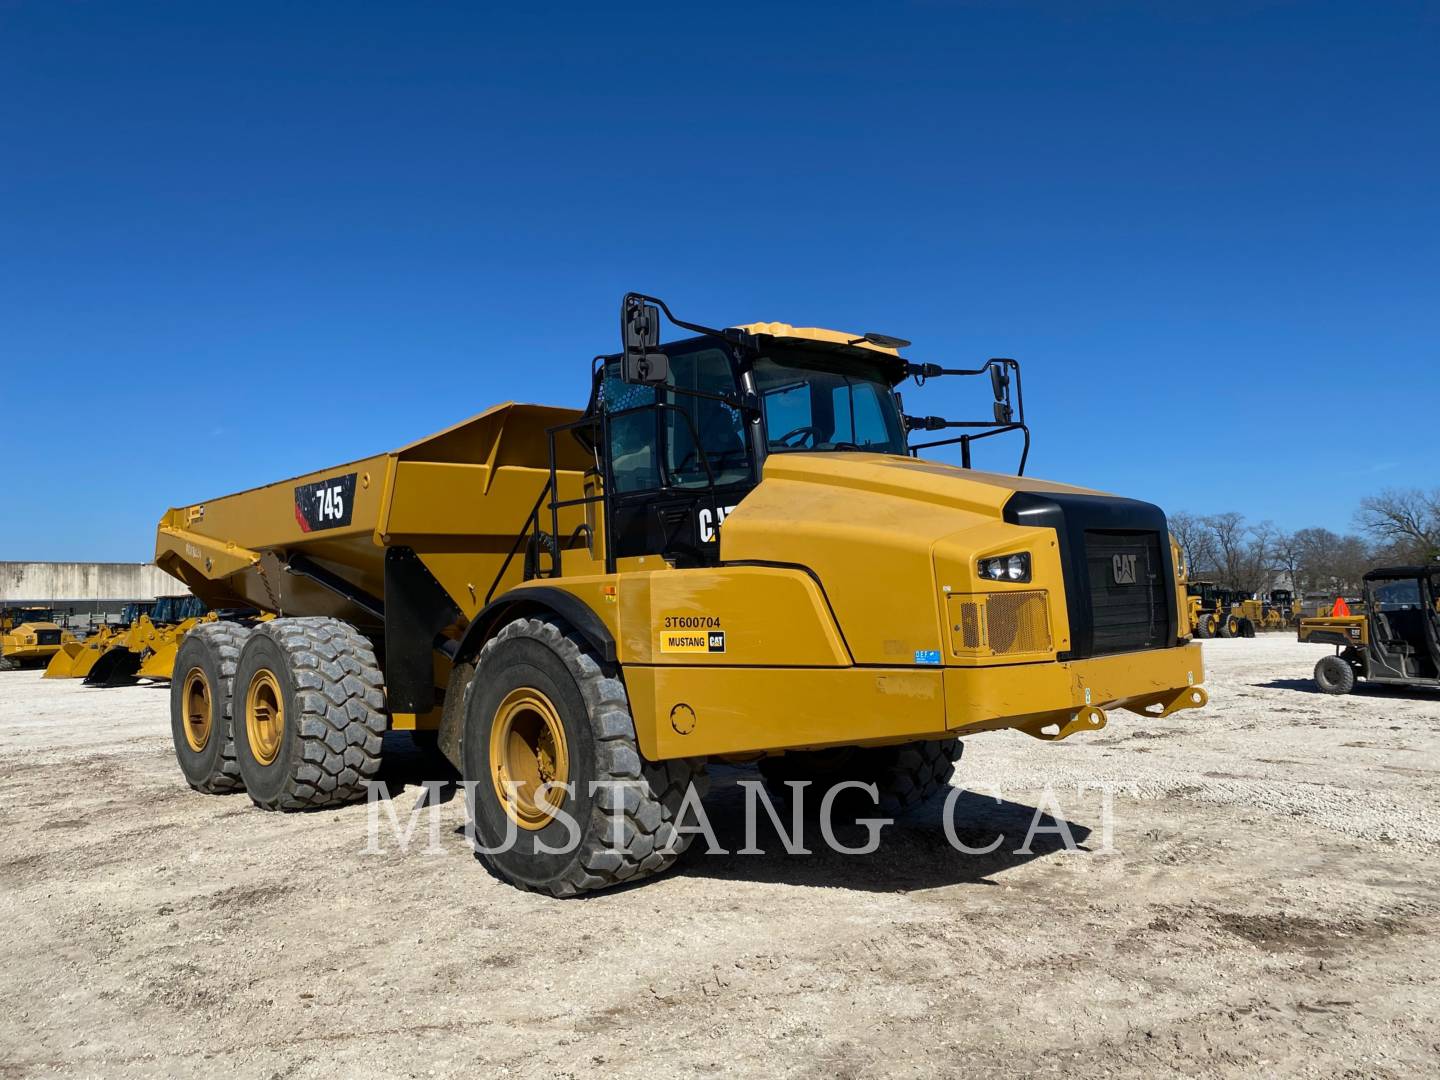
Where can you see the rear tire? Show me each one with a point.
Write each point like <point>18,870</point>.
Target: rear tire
<point>1247,628</point>
<point>905,776</point>
<point>200,707</point>
<point>536,676</point>
<point>309,714</point>
<point>1334,675</point>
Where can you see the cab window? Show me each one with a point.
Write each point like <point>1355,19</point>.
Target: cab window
<point>1398,596</point>
<point>702,431</point>
<point>671,446</point>
<point>633,461</point>
<point>815,403</point>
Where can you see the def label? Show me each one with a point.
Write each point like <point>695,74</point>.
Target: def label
<point>325,504</point>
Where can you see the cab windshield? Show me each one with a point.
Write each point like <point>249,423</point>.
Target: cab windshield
<point>814,402</point>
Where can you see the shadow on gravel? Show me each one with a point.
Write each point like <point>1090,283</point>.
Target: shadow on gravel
<point>914,852</point>
<point>408,763</point>
<point>1362,689</point>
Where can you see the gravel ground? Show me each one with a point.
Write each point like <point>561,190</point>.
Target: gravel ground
<point>1266,904</point>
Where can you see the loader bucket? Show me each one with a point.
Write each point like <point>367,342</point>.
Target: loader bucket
<point>85,661</point>
<point>62,664</point>
<point>159,664</point>
<point>115,668</point>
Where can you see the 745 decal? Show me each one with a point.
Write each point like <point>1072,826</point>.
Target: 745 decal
<point>325,504</point>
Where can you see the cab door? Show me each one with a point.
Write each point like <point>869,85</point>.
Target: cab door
<point>678,458</point>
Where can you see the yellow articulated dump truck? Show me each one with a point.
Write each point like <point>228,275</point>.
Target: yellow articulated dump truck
<point>30,635</point>
<point>732,552</point>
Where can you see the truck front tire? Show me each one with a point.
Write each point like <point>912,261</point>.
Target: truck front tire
<point>542,710</point>
<point>309,714</point>
<point>905,776</point>
<point>200,706</point>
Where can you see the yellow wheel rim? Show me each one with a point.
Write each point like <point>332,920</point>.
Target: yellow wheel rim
<point>264,716</point>
<point>197,706</point>
<point>527,751</point>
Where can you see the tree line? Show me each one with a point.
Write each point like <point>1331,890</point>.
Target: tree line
<point>1398,527</point>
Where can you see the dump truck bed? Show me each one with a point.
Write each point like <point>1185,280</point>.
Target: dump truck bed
<point>459,499</point>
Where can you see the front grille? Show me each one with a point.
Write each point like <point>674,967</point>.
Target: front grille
<point>47,637</point>
<point>1128,600</point>
<point>999,624</point>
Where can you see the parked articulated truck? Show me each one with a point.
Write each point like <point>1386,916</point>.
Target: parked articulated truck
<point>731,552</point>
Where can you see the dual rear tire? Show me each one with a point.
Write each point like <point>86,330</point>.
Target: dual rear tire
<point>291,711</point>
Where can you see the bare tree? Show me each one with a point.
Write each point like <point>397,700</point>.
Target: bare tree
<point>1194,540</point>
<point>1290,558</point>
<point>1228,534</point>
<point>1407,522</point>
<point>1330,563</point>
<point>1258,564</point>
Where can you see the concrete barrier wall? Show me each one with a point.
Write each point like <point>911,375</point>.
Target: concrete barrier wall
<point>68,582</point>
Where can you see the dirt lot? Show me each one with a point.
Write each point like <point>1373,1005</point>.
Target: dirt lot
<point>1269,906</point>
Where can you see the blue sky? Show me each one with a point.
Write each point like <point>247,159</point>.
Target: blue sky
<point>241,241</point>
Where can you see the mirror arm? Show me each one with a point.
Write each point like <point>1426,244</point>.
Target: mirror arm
<point>921,372</point>
<point>939,423</point>
<point>665,308</point>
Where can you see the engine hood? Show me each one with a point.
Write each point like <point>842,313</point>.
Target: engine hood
<point>912,478</point>
<point>870,528</point>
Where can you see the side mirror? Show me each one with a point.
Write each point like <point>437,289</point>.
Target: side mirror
<point>999,380</point>
<point>644,363</point>
<point>646,369</point>
<point>1000,388</point>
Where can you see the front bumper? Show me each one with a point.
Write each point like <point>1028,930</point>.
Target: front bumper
<point>704,711</point>
<point>1053,700</point>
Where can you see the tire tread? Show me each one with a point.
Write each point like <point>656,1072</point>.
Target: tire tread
<point>654,794</point>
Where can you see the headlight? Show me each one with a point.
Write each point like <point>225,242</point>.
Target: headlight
<point>1006,567</point>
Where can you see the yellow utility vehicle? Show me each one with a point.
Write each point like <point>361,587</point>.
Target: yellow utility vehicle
<point>30,635</point>
<point>1396,639</point>
<point>732,552</point>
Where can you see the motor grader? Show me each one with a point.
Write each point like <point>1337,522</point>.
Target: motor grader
<point>1215,612</point>
<point>1273,611</point>
<point>732,552</point>
<point>30,635</point>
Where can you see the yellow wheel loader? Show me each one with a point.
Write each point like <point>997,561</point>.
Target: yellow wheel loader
<point>732,552</point>
<point>146,648</point>
<point>30,636</point>
<point>76,658</point>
